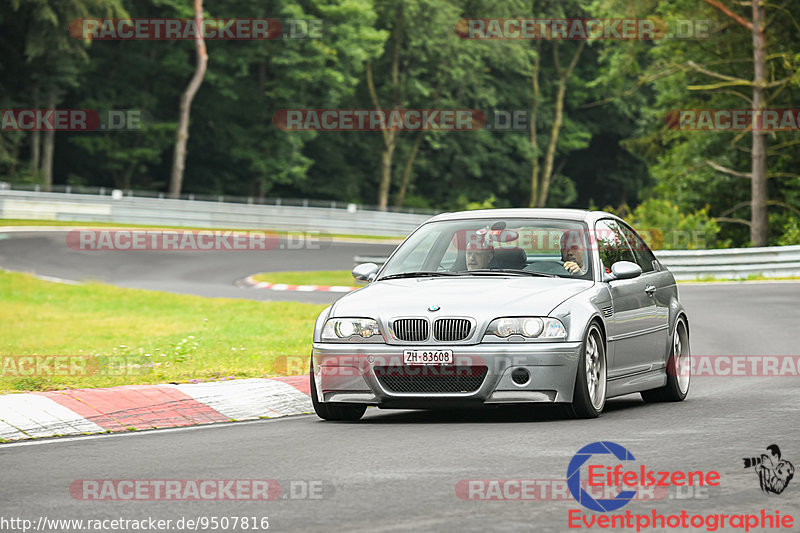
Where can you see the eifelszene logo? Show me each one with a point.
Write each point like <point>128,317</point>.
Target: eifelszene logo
<point>774,473</point>
<point>595,457</point>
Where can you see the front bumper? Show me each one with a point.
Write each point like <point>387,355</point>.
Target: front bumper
<point>346,373</point>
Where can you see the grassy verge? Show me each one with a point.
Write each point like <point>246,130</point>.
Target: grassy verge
<point>134,336</point>
<point>313,277</point>
<point>64,223</point>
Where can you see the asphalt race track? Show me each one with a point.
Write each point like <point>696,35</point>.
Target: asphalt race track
<point>398,470</point>
<point>205,273</point>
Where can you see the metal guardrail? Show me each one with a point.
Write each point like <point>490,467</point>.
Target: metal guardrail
<point>121,209</point>
<point>735,263</point>
<point>230,199</point>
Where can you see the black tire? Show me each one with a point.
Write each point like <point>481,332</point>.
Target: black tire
<point>678,369</point>
<point>583,405</point>
<point>334,411</point>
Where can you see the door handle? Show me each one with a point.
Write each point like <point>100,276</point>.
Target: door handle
<point>650,290</point>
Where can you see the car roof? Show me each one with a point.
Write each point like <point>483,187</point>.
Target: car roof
<point>581,215</point>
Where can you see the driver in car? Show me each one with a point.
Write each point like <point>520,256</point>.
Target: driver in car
<point>572,253</point>
<point>480,251</point>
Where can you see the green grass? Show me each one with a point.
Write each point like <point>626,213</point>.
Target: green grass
<point>133,336</point>
<point>312,277</point>
<point>65,223</point>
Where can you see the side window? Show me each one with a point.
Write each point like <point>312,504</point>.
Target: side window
<point>611,244</point>
<point>644,257</point>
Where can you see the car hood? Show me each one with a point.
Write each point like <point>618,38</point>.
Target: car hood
<point>476,296</point>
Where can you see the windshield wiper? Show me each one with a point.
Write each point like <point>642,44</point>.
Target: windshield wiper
<point>505,271</point>
<point>424,274</point>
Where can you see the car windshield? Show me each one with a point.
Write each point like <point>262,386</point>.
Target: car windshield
<point>480,247</point>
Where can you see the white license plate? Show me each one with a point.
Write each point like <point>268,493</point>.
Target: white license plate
<point>428,357</point>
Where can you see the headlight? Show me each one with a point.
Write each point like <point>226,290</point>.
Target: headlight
<point>529,327</point>
<point>337,329</point>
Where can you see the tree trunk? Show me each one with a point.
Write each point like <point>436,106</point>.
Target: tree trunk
<point>127,176</point>
<point>406,182</point>
<point>533,123</point>
<point>550,155</point>
<point>549,159</point>
<point>387,156</point>
<point>759,222</point>
<point>49,147</point>
<point>389,136</point>
<point>401,194</point>
<point>12,169</point>
<point>262,78</point>
<point>36,141</point>
<point>36,149</point>
<point>182,137</point>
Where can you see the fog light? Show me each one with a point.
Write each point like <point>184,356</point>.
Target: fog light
<point>520,376</point>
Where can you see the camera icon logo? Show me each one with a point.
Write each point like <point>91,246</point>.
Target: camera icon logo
<point>774,472</point>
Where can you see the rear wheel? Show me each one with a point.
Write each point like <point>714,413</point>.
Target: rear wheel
<point>334,411</point>
<point>678,369</point>
<point>589,396</point>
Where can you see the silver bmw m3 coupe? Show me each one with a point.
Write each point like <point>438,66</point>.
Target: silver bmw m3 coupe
<point>505,306</point>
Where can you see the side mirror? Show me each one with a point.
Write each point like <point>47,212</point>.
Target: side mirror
<point>625,270</point>
<point>367,272</point>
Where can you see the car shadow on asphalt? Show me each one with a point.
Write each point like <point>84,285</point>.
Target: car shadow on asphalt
<point>491,415</point>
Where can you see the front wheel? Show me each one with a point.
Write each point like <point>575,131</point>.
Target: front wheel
<point>334,411</point>
<point>589,396</point>
<point>678,369</point>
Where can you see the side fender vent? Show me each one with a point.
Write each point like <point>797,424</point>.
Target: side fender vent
<point>608,311</point>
